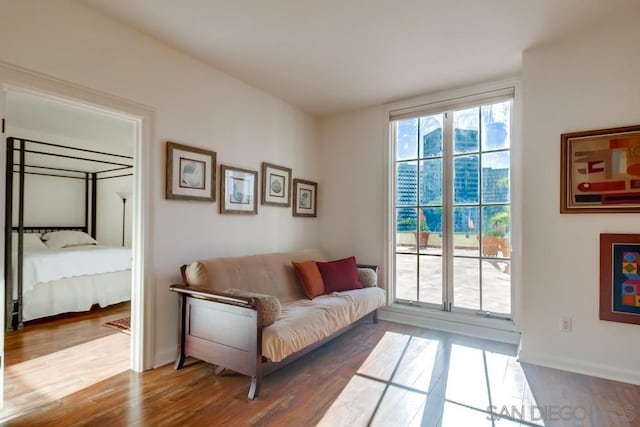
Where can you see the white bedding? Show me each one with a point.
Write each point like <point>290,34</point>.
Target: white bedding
<point>76,294</point>
<point>46,265</point>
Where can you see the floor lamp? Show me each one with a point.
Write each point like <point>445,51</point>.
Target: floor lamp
<point>124,196</point>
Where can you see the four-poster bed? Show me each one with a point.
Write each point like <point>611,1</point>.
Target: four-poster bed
<point>52,269</point>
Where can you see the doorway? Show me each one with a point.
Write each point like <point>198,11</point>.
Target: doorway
<point>15,79</point>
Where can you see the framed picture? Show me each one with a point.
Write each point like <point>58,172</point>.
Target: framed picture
<point>305,198</point>
<point>239,190</point>
<point>620,278</point>
<point>276,185</point>
<point>191,173</point>
<point>600,171</point>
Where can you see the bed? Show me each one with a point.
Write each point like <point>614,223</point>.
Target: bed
<point>51,270</point>
<point>71,278</point>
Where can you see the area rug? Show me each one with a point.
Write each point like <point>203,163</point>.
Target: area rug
<point>122,325</point>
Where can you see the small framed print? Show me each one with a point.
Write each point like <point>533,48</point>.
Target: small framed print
<point>305,198</point>
<point>191,173</point>
<point>276,185</point>
<point>620,278</point>
<point>239,190</point>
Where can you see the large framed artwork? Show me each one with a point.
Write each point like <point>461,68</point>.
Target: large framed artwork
<point>191,173</point>
<point>276,185</point>
<point>239,191</point>
<point>600,171</point>
<point>620,278</point>
<point>305,198</point>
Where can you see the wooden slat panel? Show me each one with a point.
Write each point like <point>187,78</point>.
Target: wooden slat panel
<point>223,324</point>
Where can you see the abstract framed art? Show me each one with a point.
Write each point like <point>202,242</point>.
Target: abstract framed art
<point>620,278</point>
<point>305,198</point>
<point>276,185</point>
<point>600,171</point>
<point>239,191</point>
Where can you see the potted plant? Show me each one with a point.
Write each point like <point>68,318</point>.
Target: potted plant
<point>422,235</point>
<point>494,240</point>
<point>491,242</point>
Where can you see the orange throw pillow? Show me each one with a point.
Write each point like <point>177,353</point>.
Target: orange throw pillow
<point>309,277</point>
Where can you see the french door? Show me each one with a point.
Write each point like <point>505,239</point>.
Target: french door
<point>452,209</point>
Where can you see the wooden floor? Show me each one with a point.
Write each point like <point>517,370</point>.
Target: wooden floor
<point>51,359</point>
<point>385,374</point>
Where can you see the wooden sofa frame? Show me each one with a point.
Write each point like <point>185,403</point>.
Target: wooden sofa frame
<point>226,330</point>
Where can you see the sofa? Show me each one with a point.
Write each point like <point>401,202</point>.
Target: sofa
<point>224,303</point>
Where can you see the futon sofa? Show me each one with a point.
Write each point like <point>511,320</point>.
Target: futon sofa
<point>224,303</point>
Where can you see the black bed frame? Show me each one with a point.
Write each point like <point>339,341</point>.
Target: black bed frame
<point>16,164</point>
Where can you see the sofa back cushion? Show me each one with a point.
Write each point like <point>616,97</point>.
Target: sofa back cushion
<point>270,274</point>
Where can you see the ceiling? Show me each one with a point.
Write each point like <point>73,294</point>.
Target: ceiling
<point>52,120</point>
<point>330,56</point>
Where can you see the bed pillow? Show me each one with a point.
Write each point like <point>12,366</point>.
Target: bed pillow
<point>309,278</point>
<point>68,238</point>
<point>30,241</point>
<point>340,275</point>
<point>270,305</point>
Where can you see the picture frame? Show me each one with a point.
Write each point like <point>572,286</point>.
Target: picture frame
<point>305,198</point>
<point>238,190</point>
<point>620,278</point>
<point>276,185</point>
<point>600,171</point>
<point>191,173</point>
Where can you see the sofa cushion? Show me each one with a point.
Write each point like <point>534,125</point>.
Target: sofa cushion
<point>340,275</point>
<point>305,321</point>
<point>196,274</point>
<point>270,305</point>
<point>270,274</point>
<point>309,278</point>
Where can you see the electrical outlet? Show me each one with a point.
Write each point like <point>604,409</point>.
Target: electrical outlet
<point>565,324</point>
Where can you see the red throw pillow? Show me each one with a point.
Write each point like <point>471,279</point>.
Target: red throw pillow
<point>309,277</point>
<point>340,275</point>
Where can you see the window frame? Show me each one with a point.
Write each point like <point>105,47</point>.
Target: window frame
<point>439,103</point>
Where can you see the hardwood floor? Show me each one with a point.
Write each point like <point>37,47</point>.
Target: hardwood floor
<point>50,359</point>
<point>385,374</point>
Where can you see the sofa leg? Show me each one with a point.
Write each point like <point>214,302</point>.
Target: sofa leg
<point>256,382</point>
<point>375,316</point>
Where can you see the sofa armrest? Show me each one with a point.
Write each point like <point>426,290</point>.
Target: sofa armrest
<point>370,266</point>
<point>215,296</point>
<point>368,275</point>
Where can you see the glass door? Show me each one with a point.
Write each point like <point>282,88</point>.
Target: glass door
<point>452,210</point>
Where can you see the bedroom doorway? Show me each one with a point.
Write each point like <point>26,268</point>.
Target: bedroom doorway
<point>125,222</point>
<point>69,174</point>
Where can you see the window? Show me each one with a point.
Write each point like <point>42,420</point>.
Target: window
<point>452,208</point>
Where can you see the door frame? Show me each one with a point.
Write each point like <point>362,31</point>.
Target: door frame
<point>13,78</point>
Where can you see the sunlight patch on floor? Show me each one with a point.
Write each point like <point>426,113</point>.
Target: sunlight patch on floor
<point>408,380</point>
<point>48,378</point>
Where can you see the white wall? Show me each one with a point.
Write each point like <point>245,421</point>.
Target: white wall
<point>587,81</point>
<point>109,212</point>
<point>351,202</point>
<point>194,104</point>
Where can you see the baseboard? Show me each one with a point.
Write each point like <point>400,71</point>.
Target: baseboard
<point>165,356</point>
<point>453,324</point>
<point>581,367</point>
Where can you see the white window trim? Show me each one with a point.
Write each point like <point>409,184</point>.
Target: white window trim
<point>425,103</point>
